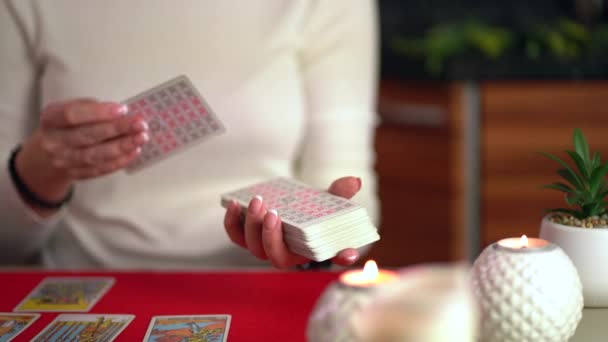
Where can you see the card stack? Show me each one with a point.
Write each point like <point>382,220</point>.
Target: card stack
<point>316,224</point>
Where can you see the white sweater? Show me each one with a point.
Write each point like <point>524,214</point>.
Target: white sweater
<point>293,81</point>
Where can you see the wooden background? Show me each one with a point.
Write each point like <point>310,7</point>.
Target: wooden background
<point>420,162</point>
<point>519,119</point>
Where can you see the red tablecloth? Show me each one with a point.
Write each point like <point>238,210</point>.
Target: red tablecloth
<point>265,306</point>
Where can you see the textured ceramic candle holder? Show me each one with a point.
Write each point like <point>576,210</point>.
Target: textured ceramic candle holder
<point>331,318</point>
<point>526,292</point>
<point>431,303</point>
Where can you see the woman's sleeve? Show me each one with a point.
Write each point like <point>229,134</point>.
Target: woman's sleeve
<point>21,229</point>
<point>339,63</point>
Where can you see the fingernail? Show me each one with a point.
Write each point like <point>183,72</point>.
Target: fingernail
<point>270,222</point>
<point>142,138</point>
<point>359,183</point>
<point>123,109</point>
<point>138,150</point>
<point>235,206</point>
<point>256,204</point>
<point>140,126</point>
<point>350,255</point>
<point>145,137</point>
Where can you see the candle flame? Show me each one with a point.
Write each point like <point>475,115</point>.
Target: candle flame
<point>370,270</point>
<point>523,241</point>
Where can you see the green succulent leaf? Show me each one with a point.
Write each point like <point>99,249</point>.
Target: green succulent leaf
<point>571,177</point>
<point>580,164</point>
<point>559,187</point>
<point>596,161</point>
<point>581,146</point>
<point>574,198</point>
<point>597,178</point>
<point>602,193</point>
<point>576,181</point>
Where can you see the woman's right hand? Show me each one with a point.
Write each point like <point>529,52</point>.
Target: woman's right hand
<point>76,140</point>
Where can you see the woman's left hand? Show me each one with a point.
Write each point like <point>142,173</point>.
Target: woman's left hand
<point>262,232</point>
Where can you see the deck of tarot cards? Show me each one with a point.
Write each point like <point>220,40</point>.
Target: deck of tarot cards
<point>316,224</point>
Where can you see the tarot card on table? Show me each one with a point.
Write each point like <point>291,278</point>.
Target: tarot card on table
<point>65,294</point>
<point>84,327</point>
<point>191,328</point>
<point>13,324</point>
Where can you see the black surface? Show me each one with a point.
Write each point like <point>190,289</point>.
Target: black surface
<point>413,18</point>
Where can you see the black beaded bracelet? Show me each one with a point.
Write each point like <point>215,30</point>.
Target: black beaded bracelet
<point>27,194</point>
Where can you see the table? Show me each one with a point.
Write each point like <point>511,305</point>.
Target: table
<point>265,305</point>
<point>593,327</point>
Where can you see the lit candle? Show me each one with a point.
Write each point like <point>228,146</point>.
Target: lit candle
<point>524,244</point>
<point>370,276</point>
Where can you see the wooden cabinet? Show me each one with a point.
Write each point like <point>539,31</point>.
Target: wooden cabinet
<point>425,174</point>
<point>414,165</point>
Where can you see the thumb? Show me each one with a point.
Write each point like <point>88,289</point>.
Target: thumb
<point>345,187</point>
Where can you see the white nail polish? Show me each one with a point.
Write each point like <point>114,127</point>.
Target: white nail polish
<point>259,198</point>
<point>273,212</point>
<point>145,137</point>
<point>124,109</point>
<point>138,150</point>
<point>144,125</point>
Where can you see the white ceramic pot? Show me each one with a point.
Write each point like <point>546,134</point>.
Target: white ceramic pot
<point>588,250</point>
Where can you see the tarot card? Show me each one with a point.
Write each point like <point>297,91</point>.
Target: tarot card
<point>177,116</point>
<point>65,294</point>
<point>296,203</point>
<point>13,324</point>
<point>84,327</point>
<point>210,328</point>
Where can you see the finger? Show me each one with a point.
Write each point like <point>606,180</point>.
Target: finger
<point>105,152</point>
<point>80,112</point>
<point>233,225</point>
<point>346,257</point>
<point>345,187</point>
<point>274,245</point>
<point>106,168</point>
<point>253,227</point>
<point>92,134</point>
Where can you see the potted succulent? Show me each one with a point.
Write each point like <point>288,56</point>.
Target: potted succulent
<point>581,228</point>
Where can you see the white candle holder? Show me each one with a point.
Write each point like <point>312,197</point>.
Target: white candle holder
<point>332,315</point>
<point>431,303</point>
<point>526,292</point>
<point>426,303</point>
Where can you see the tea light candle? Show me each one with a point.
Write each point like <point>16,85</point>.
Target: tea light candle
<point>331,317</point>
<point>525,244</point>
<point>524,285</point>
<point>369,277</point>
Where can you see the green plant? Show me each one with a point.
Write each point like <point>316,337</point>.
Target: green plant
<point>446,41</point>
<point>565,40</point>
<point>585,187</point>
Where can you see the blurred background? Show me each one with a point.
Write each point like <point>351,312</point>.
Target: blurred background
<point>470,92</point>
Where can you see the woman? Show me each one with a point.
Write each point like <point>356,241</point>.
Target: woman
<point>292,81</point>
